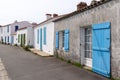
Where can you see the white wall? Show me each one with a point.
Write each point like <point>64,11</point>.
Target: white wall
<point>24,31</point>
<point>6,34</point>
<point>15,39</point>
<point>30,38</point>
<point>49,47</point>
<point>36,45</point>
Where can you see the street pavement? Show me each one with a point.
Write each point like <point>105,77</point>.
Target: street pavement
<point>23,65</point>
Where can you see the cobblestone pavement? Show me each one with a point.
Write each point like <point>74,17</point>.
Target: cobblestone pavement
<point>3,72</point>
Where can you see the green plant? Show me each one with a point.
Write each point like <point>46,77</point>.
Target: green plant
<point>61,58</point>
<point>114,78</point>
<point>30,46</point>
<point>77,64</point>
<point>15,44</point>
<point>26,48</point>
<point>68,61</point>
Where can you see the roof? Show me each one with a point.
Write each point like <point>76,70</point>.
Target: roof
<point>98,3</point>
<point>22,28</point>
<point>50,20</point>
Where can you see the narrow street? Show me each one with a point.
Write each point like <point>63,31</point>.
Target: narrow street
<point>22,65</point>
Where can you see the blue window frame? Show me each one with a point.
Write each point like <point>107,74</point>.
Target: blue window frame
<point>16,28</point>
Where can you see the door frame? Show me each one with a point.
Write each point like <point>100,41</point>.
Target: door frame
<point>84,61</point>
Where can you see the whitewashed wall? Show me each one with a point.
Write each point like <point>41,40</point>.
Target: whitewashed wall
<point>49,47</point>
<point>30,36</point>
<point>6,34</point>
<point>24,31</point>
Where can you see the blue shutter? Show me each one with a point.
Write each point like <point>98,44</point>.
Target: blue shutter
<point>57,40</point>
<point>12,39</point>
<point>101,48</point>
<point>66,40</point>
<point>40,39</point>
<point>44,35</point>
<point>38,36</point>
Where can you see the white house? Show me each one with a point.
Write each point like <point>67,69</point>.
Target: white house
<point>44,34</point>
<point>5,34</point>
<point>25,36</point>
<point>14,28</point>
<point>8,33</point>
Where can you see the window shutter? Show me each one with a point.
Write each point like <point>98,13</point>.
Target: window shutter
<point>38,36</point>
<point>44,35</point>
<point>24,38</point>
<point>57,40</point>
<point>66,40</point>
<point>8,39</point>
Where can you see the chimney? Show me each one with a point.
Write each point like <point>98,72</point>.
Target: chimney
<point>55,15</point>
<point>93,2</point>
<point>81,5</point>
<point>48,16</point>
<point>15,21</point>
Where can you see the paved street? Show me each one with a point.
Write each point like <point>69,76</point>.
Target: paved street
<point>22,65</point>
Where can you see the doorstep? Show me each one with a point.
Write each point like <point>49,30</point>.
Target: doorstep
<point>88,68</point>
<point>38,52</point>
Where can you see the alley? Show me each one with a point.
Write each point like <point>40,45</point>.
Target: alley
<point>22,65</point>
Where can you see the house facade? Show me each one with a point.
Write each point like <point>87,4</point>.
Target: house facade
<point>44,35</point>
<point>90,36</point>
<point>14,28</point>
<point>5,34</point>
<point>8,33</point>
<point>25,36</point>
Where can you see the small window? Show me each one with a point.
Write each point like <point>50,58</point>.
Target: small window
<point>61,39</point>
<point>7,28</point>
<point>16,28</point>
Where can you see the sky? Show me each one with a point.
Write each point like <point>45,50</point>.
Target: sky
<point>34,10</point>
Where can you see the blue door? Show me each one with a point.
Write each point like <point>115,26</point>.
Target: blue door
<point>12,39</point>
<point>101,48</point>
<point>40,39</point>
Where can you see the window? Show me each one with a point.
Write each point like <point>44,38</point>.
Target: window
<point>7,28</point>
<point>38,36</point>
<point>8,39</point>
<point>12,39</point>
<point>5,39</point>
<point>16,28</point>
<point>61,39</point>
<point>88,41</point>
